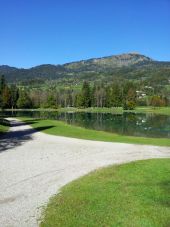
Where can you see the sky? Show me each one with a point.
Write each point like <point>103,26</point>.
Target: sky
<point>34,32</point>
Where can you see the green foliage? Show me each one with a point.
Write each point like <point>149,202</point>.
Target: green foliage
<point>14,95</point>
<point>129,96</point>
<point>51,102</point>
<point>129,105</point>
<point>158,101</point>
<point>109,82</point>
<point>5,93</point>
<point>142,102</point>
<point>78,100</point>
<point>8,94</point>
<point>6,97</point>
<point>114,95</point>
<point>24,100</point>
<point>2,87</point>
<point>4,126</point>
<point>86,95</point>
<point>2,83</point>
<point>128,67</point>
<point>98,95</point>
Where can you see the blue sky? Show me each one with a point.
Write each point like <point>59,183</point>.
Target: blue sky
<point>34,32</point>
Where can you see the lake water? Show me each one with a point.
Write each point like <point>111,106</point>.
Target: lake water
<point>146,125</point>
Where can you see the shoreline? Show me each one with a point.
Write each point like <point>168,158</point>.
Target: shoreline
<point>40,164</point>
<point>113,110</point>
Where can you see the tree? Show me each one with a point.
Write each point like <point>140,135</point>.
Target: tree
<point>24,100</point>
<point>2,87</point>
<point>51,102</point>
<point>2,83</point>
<point>14,96</point>
<point>6,97</point>
<point>158,101</point>
<point>84,99</point>
<point>109,97</point>
<point>129,96</point>
<point>114,95</point>
<point>78,100</point>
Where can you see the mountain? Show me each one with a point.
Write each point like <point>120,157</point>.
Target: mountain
<point>5,69</point>
<point>107,63</point>
<point>130,66</point>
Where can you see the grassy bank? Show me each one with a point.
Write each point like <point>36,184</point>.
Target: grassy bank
<point>134,194</point>
<point>116,110</point>
<point>119,110</point>
<point>59,128</point>
<point>113,110</point>
<point>156,110</point>
<point>4,126</point>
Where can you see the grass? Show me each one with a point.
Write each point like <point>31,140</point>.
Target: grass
<point>3,129</point>
<point>60,128</point>
<point>154,110</point>
<point>3,126</point>
<point>134,194</point>
<point>113,110</point>
<point>119,110</point>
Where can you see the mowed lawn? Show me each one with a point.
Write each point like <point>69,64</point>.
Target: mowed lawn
<point>134,194</point>
<point>3,128</point>
<point>60,128</point>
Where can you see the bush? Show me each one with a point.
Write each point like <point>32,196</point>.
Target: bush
<point>158,101</point>
<point>129,105</point>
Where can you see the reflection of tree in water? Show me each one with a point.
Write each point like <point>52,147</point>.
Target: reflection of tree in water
<point>159,121</point>
<point>127,124</point>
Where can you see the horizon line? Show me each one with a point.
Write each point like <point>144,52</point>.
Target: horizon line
<point>84,59</point>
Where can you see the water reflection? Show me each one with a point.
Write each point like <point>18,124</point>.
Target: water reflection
<point>127,124</point>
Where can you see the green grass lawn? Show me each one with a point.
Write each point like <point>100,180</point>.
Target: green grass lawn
<point>59,128</point>
<point>134,194</point>
<point>3,127</point>
<point>156,110</point>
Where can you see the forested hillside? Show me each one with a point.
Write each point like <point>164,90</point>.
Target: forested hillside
<point>123,80</point>
<point>127,66</point>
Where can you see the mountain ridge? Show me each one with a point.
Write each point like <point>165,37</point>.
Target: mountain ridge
<point>103,65</point>
<point>78,61</point>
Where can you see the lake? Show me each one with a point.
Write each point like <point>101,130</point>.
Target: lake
<point>146,125</point>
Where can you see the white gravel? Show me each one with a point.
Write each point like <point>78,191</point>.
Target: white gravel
<point>34,166</point>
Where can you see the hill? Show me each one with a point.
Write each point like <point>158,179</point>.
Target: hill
<point>129,66</point>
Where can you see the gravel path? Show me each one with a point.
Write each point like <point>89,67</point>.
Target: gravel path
<point>34,166</point>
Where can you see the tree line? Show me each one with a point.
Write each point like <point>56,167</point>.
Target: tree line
<point>116,94</point>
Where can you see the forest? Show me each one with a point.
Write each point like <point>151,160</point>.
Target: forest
<point>124,93</point>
